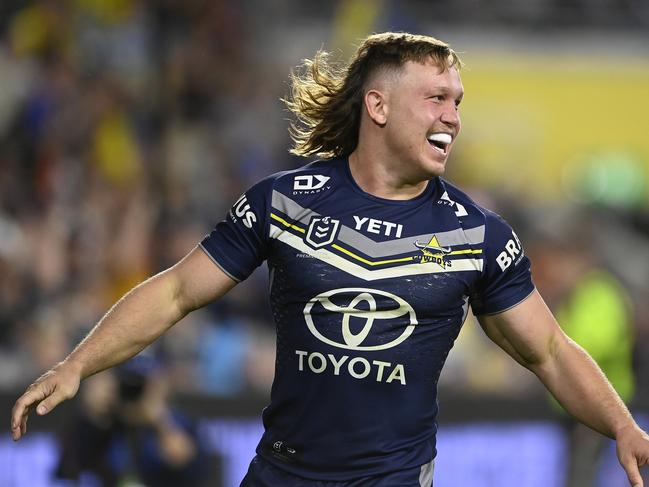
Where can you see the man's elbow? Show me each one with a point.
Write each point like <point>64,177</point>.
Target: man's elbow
<point>173,300</point>
<point>543,360</point>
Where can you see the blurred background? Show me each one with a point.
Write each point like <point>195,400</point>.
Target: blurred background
<point>128,128</point>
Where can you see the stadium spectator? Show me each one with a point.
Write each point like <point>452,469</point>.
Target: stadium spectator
<point>594,310</point>
<point>127,432</point>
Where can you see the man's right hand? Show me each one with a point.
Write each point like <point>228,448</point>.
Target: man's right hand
<point>146,312</point>
<point>53,387</point>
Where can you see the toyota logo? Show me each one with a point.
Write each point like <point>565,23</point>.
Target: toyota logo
<point>368,313</point>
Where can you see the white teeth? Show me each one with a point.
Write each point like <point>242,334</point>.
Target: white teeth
<point>440,137</point>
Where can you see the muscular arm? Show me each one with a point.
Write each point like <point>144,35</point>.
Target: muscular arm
<point>148,310</point>
<point>135,321</point>
<point>530,334</point>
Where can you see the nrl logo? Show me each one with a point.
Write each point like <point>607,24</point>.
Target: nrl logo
<point>322,231</point>
<point>434,252</point>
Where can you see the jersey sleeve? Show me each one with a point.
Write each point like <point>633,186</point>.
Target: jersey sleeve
<point>506,279</point>
<point>239,243</point>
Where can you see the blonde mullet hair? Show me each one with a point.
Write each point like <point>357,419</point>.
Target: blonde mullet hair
<point>327,100</point>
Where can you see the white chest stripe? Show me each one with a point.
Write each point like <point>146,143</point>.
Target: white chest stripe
<point>345,265</point>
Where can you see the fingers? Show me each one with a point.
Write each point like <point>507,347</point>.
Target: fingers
<point>632,471</point>
<point>50,402</point>
<point>39,391</point>
<point>21,409</point>
<point>53,387</point>
<point>18,422</point>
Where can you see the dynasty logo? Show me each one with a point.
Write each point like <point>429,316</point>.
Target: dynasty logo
<point>434,252</point>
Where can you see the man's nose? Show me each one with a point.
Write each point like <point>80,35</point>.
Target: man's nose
<point>451,116</point>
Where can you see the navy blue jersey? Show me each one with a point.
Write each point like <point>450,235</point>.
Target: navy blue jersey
<point>368,296</point>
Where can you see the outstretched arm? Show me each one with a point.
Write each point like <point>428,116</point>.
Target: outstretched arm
<point>135,321</point>
<point>530,334</point>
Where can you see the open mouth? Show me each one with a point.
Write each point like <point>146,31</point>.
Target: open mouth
<point>440,141</point>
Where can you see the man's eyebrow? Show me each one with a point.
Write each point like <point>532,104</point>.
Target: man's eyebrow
<point>445,90</point>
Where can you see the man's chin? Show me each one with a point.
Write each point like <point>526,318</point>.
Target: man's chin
<point>435,168</point>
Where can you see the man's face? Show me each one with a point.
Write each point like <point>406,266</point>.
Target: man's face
<point>422,118</point>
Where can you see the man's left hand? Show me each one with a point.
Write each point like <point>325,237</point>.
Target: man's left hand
<point>633,452</point>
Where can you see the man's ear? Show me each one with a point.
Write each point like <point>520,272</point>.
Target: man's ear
<point>376,106</point>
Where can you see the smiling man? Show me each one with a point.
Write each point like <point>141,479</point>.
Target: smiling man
<point>374,262</point>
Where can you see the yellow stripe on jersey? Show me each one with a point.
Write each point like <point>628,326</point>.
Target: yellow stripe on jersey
<point>369,262</point>
<point>287,224</point>
<point>346,264</point>
<point>467,251</point>
<point>362,259</point>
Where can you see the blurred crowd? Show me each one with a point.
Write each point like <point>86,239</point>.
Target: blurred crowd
<point>128,128</point>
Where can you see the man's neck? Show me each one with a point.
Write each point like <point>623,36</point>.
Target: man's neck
<point>374,175</point>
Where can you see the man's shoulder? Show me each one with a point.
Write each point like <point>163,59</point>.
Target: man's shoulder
<point>466,207</point>
<point>286,177</point>
<point>311,178</point>
<point>477,214</point>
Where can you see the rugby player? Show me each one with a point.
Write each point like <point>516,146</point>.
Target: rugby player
<point>375,261</point>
